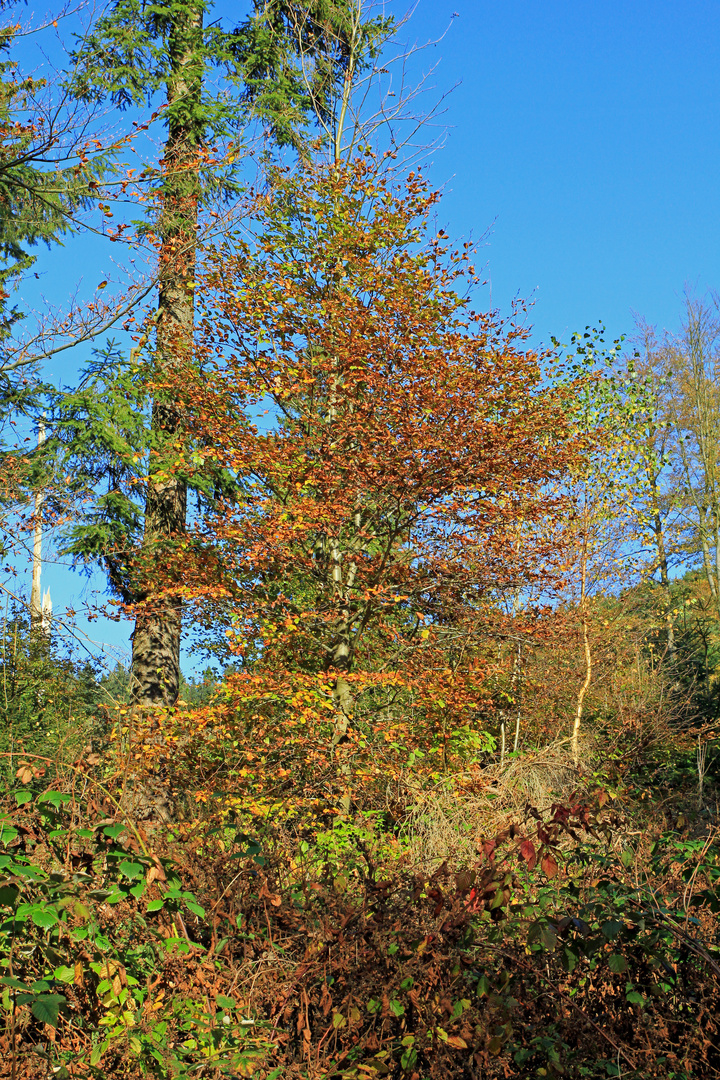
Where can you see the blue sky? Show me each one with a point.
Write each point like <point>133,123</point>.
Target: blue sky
<point>584,136</point>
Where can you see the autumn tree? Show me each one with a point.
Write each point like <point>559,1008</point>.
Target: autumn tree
<point>374,517</point>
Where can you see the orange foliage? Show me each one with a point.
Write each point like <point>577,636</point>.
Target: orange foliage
<point>369,447</point>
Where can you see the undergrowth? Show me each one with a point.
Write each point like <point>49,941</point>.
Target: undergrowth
<point>566,943</point>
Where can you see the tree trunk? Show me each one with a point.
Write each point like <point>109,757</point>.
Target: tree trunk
<point>575,740</point>
<point>657,528</point>
<point>158,626</point>
<point>36,601</point>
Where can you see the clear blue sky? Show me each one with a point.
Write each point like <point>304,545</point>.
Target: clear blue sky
<point>584,135</point>
<point>587,135</point>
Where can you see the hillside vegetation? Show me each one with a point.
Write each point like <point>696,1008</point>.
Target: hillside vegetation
<point>444,803</point>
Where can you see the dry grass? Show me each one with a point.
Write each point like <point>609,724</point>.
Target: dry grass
<point>446,821</point>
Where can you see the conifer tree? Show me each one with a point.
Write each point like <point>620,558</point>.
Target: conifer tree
<point>291,61</point>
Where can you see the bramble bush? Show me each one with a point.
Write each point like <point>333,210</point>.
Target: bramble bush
<point>230,946</point>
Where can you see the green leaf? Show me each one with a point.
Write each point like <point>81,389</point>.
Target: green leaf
<point>64,973</point>
<point>617,963</point>
<point>8,895</point>
<point>155,905</point>
<point>611,928</point>
<point>195,908</point>
<point>409,1058</point>
<point>22,797</point>
<point>113,831</point>
<point>131,869</point>
<point>225,1002</point>
<point>44,918</point>
<point>57,798</point>
<point>569,960</point>
<point>47,1007</point>
<point>548,936</point>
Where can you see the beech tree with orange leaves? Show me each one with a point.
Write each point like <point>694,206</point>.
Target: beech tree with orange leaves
<point>379,441</point>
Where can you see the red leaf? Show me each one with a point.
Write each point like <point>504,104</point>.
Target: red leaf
<point>527,850</point>
<point>488,848</point>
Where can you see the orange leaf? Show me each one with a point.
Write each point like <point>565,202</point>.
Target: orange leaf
<point>549,865</point>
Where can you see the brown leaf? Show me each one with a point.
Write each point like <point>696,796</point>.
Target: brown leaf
<point>549,865</point>
<point>464,880</point>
